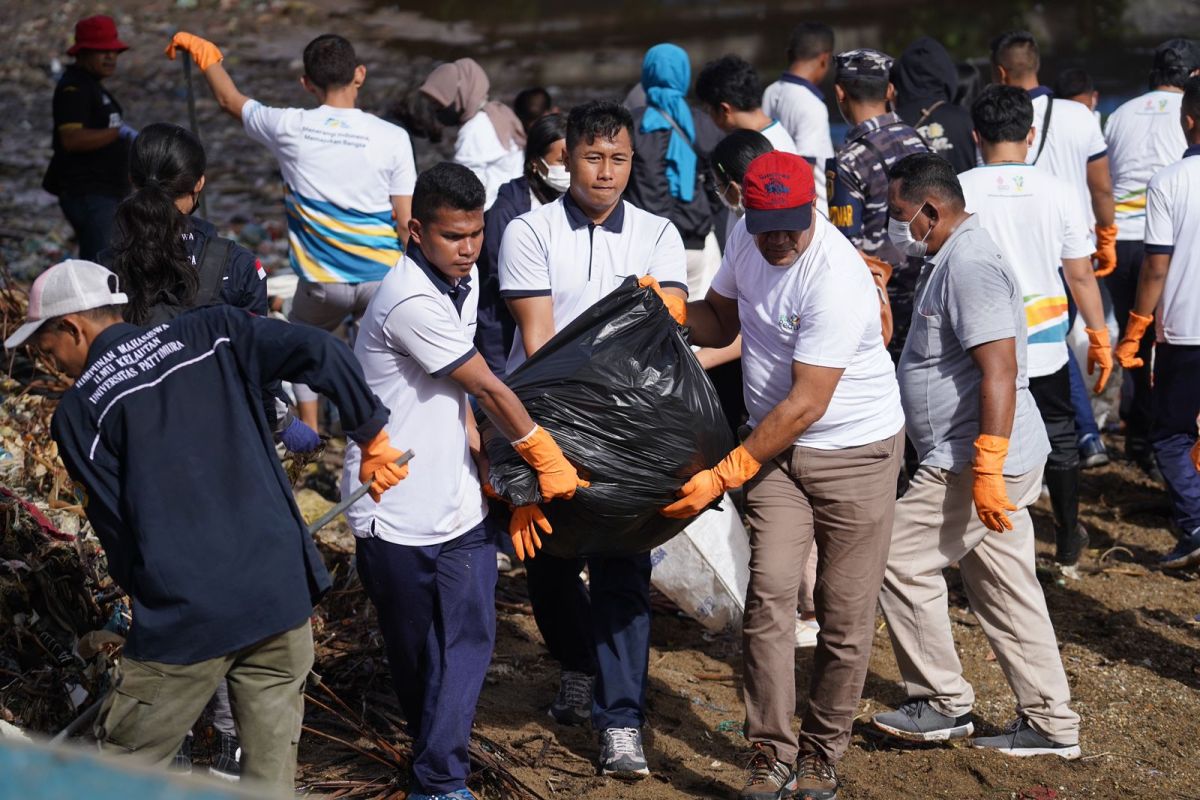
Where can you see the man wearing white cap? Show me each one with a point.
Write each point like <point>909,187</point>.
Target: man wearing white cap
<point>211,548</point>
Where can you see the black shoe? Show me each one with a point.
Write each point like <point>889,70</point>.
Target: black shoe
<point>1020,739</point>
<point>227,761</point>
<point>1150,467</point>
<point>182,762</point>
<point>815,778</point>
<point>1068,552</point>
<point>917,721</point>
<point>573,705</point>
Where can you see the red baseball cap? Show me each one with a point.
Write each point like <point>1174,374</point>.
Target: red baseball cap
<point>96,33</point>
<point>778,193</point>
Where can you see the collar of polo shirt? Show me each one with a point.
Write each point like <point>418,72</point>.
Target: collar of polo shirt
<point>614,223</point>
<point>456,291</point>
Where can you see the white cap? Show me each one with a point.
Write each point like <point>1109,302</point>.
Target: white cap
<point>67,288</point>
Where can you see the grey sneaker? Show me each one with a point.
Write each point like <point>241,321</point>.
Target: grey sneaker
<point>621,754</point>
<point>917,721</point>
<point>767,778</point>
<point>815,778</point>
<point>573,705</point>
<point>1020,739</point>
<point>227,761</point>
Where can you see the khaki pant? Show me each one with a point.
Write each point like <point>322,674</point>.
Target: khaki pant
<point>154,705</point>
<point>935,526</point>
<point>326,306</point>
<point>843,501</point>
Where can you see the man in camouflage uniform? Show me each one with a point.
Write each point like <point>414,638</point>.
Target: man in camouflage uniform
<point>858,181</point>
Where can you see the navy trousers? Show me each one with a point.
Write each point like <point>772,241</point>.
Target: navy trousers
<point>1081,397</point>
<point>92,217</point>
<point>1136,396</point>
<point>437,612</point>
<point>603,632</point>
<point>1176,405</point>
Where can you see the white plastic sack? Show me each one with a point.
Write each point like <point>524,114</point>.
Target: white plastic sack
<point>704,570</point>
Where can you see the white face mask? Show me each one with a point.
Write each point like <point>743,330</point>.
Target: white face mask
<point>898,231</point>
<point>738,209</point>
<point>556,177</point>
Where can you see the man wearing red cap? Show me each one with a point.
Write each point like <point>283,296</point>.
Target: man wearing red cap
<point>89,171</point>
<point>820,465</point>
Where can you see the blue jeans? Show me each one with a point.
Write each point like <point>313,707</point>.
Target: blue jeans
<point>91,215</point>
<point>1176,402</point>
<point>437,613</point>
<point>1081,400</point>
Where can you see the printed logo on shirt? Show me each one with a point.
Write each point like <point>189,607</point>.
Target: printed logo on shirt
<point>1155,106</point>
<point>334,122</point>
<point>789,322</point>
<point>1018,183</point>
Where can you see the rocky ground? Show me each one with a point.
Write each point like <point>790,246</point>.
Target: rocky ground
<point>1127,631</point>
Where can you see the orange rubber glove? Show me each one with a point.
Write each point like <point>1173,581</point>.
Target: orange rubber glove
<point>1127,349</point>
<point>523,528</point>
<point>556,477</point>
<point>202,51</point>
<point>1106,250</point>
<point>378,465</point>
<point>991,495</point>
<point>705,487</point>
<point>676,306</point>
<point>1099,355</point>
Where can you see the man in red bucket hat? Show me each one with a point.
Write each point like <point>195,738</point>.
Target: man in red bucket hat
<point>89,171</point>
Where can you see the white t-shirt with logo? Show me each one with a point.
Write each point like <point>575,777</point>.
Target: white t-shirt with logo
<point>823,311</point>
<point>412,336</point>
<point>1075,139</point>
<point>800,109</point>
<point>554,251</point>
<point>1144,135</point>
<point>342,166</point>
<point>1173,227</point>
<point>478,148</point>
<point>1036,221</point>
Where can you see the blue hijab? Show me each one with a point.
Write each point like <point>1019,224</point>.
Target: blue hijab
<point>666,74</point>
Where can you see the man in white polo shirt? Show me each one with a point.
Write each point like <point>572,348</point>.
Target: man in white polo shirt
<point>820,466</point>
<point>425,557</point>
<point>796,99</point>
<point>349,178</point>
<point>1169,288</point>
<point>555,262</point>
<point>1143,136</point>
<point>1039,225</point>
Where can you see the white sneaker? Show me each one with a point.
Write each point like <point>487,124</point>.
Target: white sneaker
<point>504,564</point>
<point>806,632</point>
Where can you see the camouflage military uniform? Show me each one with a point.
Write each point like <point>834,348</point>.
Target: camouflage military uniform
<point>858,187</point>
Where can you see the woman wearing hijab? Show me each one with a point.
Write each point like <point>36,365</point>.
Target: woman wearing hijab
<point>671,147</point>
<point>491,139</point>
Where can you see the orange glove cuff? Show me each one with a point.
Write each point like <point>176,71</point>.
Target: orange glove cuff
<point>202,51</point>
<point>539,449</point>
<point>990,452</point>
<point>1105,235</point>
<point>737,468</point>
<point>1098,338</point>
<point>1136,327</point>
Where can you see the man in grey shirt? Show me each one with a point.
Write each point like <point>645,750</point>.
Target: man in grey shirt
<point>981,443</point>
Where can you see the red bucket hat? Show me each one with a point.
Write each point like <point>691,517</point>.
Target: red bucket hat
<point>778,193</point>
<point>96,33</point>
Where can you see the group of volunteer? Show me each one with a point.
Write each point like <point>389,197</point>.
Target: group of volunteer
<point>886,323</point>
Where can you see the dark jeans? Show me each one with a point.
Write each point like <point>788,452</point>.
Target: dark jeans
<point>1176,405</point>
<point>437,613</point>
<point>1052,393</point>
<point>1136,400</point>
<point>1081,398</point>
<point>91,215</point>
<point>604,632</point>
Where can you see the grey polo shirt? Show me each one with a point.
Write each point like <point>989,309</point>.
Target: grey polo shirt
<point>966,296</point>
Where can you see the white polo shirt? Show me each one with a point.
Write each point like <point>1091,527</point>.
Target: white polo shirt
<point>823,311</point>
<point>555,251</point>
<point>799,105</point>
<point>418,328</point>
<point>1144,135</point>
<point>1075,139</point>
<point>478,148</point>
<point>1036,221</point>
<point>339,230</point>
<point>1173,228</point>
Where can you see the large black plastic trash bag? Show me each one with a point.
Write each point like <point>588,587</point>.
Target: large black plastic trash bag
<point>632,409</point>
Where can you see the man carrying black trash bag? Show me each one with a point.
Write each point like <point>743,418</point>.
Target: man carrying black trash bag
<point>164,429</point>
<point>819,465</point>
<point>555,263</point>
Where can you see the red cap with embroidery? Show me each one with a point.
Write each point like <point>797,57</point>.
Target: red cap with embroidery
<point>778,193</point>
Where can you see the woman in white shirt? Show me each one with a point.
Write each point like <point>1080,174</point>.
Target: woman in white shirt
<point>491,139</point>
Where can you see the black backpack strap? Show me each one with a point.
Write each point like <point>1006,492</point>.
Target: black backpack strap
<point>211,268</point>
<point>1045,128</point>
